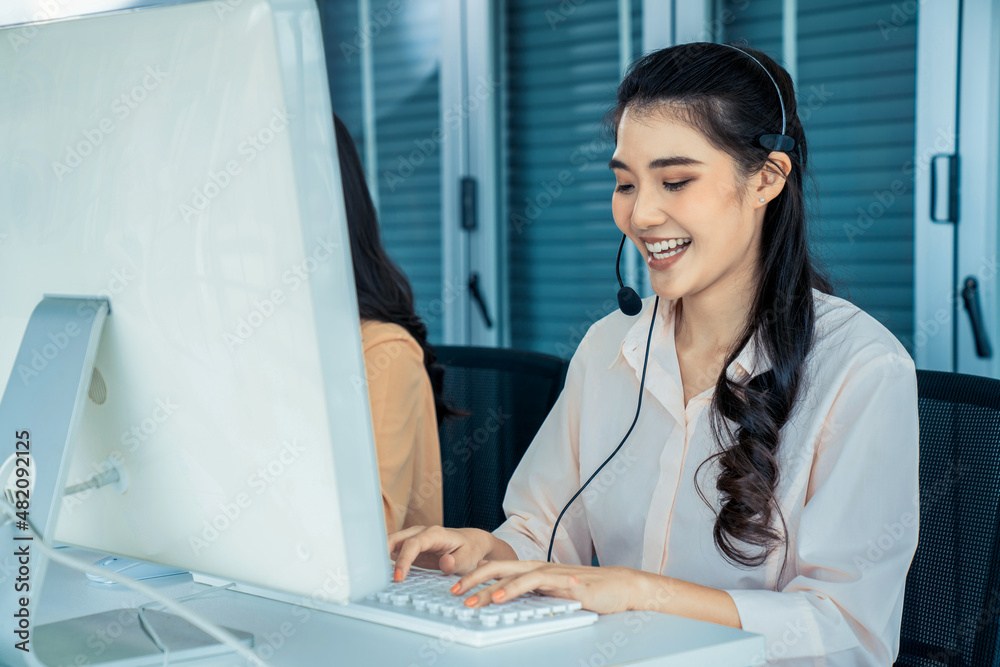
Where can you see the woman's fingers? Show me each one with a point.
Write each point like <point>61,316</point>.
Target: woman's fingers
<point>461,560</point>
<point>489,594</point>
<point>602,589</point>
<point>447,563</point>
<point>494,569</point>
<point>546,581</point>
<point>515,578</point>
<point>400,536</point>
<point>449,549</point>
<point>429,540</point>
<point>427,561</point>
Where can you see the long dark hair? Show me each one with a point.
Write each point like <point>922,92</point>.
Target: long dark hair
<point>384,293</point>
<point>730,99</point>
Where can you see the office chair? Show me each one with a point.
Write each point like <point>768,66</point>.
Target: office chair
<point>952,601</point>
<point>506,395</point>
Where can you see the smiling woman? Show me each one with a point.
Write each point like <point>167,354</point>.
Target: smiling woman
<point>775,435</point>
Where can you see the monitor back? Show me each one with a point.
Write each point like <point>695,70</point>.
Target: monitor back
<point>180,160</point>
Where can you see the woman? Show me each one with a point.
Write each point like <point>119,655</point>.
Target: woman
<point>404,385</point>
<point>770,479</point>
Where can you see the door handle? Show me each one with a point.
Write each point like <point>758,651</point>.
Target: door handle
<point>944,188</point>
<point>970,297</point>
<point>477,295</point>
<point>467,205</point>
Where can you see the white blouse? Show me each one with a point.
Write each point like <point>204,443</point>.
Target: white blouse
<point>847,488</point>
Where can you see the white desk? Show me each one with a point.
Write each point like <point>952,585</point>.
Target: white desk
<point>303,637</point>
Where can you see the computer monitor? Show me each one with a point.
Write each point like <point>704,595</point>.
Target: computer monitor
<point>180,161</point>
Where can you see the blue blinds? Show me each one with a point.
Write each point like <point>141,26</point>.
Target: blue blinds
<point>636,9</point>
<point>343,64</point>
<point>405,39</point>
<point>856,93</point>
<point>561,74</point>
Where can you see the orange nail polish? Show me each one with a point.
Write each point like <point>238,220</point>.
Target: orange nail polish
<point>470,602</point>
<point>397,575</point>
<point>454,589</point>
<point>498,596</point>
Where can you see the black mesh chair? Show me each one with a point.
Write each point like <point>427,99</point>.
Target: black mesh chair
<point>952,600</point>
<point>507,395</point>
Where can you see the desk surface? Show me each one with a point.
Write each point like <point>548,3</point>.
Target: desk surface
<point>296,636</point>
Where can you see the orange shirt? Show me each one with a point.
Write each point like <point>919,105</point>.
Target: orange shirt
<point>405,425</point>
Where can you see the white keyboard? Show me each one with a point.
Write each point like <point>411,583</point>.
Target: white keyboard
<point>423,603</point>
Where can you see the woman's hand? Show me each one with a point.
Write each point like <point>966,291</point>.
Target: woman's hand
<point>451,550</point>
<point>605,590</point>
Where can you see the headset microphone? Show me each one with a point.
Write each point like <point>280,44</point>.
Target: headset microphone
<point>628,300</point>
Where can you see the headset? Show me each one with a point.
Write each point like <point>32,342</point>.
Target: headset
<point>630,303</point>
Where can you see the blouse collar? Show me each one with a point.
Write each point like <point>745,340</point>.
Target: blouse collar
<point>751,361</point>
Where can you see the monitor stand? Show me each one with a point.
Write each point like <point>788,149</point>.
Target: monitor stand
<point>40,415</point>
<point>122,640</point>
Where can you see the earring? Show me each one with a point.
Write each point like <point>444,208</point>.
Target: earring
<point>761,200</point>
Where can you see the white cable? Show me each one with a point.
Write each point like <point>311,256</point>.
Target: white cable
<point>191,617</point>
<point>201,593</point>
<point>8,495</point>
<point>154,635</point>
<point>207,591</point>
<point>148,627</point>
<point>95,482</point>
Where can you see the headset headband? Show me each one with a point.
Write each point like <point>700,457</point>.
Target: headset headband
<point>775,142</point>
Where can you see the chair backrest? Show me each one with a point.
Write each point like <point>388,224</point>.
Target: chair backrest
<point>952,600</point>
<point>506,395</point>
